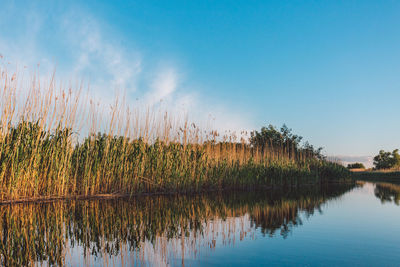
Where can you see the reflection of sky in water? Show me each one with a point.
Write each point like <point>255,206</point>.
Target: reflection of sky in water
<point>354,229</point>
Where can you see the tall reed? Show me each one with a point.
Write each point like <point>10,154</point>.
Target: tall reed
<point>56,141</point>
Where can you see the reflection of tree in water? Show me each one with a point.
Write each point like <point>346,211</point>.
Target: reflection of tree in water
<point>46,232</point>
<point>284,208</point>
<point>387,192</point>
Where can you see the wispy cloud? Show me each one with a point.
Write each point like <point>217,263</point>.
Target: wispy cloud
<point>106,64</point>
<point>163,87</point>
<point>81,48</point>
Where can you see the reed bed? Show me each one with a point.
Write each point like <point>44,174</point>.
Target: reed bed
<point>57,141</point>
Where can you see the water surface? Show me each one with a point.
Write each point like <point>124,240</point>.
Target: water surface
<point>325,225</point>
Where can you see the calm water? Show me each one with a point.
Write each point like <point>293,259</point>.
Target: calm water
<point>336,225</point>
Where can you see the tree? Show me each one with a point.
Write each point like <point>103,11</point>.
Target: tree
<point>271,137</point>
<point>387,160</point>
<point>356,165</point>
<point>283,139</point>
<point>396,158</point>
<point>310,150</point>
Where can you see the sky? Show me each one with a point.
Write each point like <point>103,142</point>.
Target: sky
<point>328,69</point>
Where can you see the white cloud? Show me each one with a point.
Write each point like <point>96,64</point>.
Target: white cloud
<point>82,49</point>
<point>168,92</point>
<point>104,63</point>
<point>163,87</point>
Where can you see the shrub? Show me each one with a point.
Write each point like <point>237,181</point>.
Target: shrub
<point>356,165</point>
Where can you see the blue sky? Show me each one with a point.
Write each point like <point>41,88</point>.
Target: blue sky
<point>328,69</point>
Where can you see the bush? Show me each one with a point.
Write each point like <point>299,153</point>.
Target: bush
<point>356,165</point>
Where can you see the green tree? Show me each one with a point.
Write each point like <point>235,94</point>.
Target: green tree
<point>283,139</point>
<point>387,160</point>
<point>272,137</point>
<point>396,158</point>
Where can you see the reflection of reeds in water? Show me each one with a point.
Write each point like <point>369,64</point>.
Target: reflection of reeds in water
<point>56,142</point>
<point>149,229</point>
<point>388,192</point>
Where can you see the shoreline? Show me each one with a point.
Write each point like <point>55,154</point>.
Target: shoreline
<point>108,196</point>
<point>392,176</point>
